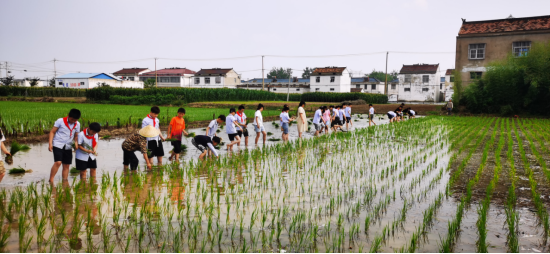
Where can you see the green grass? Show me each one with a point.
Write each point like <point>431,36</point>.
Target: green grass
<point>35,116</point>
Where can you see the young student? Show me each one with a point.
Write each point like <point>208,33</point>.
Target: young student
<point>213,126</point>
<point>341,116</point>
<point>301,118</point>
<point>230,123</point>
<point>3,148</point>
<point>326,118</point>
<point>317,116</point>
<point>259,124</point>
<point>138,142</point>
<point>206,143</point>
<point>175,130</point>
<point>336,118</point>
<point>371,115</point>
<point>241,119</point>
<point>285,120</point>
<point>392,116</point>
<point>154,143</point>
<point>410,112</point>
<point>347,110</point>
<point>86,150</point>
<point>399,112</point>
<point>63,134</point>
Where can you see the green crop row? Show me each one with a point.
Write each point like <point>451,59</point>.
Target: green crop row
<point>41,91</point>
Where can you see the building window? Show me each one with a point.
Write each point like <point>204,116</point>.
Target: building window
<point>131,78</point>
<point>218,80</point>
<point>164,80</point>
<point>393,87</point>
<point>297,89</point>
<point>174,80</point>
<point>207,80</point>
<point>520,48</point>
<point>475,75</point>
<point>197,81</point>
<point>477,51</point>
<point>425,89</point>
<point>407,89</point>
<point>452,79</point>
<point>60,83</point>
<point>357,86</point>
<point>274,89</point>
<point>408,78</point>
<point>317,89</point>
<point>317,79</point>
<point>440,86</point>
<point>142,79</point>
<point>332,89</point>
<point>235,80</point>
<point>425,78</point>
<point>332,79</point>
<point>373,86</point>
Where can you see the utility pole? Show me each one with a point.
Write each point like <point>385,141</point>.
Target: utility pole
<point>156,73</point>
<point>262,73</point>
<point>54,69</point>
<point>386,85</point>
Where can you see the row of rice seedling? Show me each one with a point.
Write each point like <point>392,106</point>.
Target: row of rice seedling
<point>41,91</point>
<point>512,216</point>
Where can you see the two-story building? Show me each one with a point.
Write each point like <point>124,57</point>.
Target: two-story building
<point>131,74</point>
<point>449,84</point>
<point>481,42</point>
<point>216,78</point>
<point>419,82</point>
<point>330,79</point>
<point>170,77</point>
<point>368,84</point>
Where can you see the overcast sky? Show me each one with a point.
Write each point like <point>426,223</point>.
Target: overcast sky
<point>105,36</point>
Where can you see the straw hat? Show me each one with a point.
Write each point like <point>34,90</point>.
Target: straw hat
<point>149,132</point>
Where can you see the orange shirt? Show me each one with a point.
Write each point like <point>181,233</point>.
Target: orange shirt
<point>178,125</point>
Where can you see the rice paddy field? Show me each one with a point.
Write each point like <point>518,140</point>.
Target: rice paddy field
<point>431,184</point>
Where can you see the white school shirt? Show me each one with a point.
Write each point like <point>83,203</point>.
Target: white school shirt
<point>335,111</point>
<point>260,122</point>
<point>371,111</point>
<point>392,113</point>
<point>348,112</point>
<point>81,155</point>
<point>240,119</point>
<point>230,125</point>
<point>3,137</point>
<point>148,121</point>
<point>63,138</point>
<point>213,128</point>
<point>341,114</point>
<point>284,118</point>
<point>317,116</point>
<point>412,112</point>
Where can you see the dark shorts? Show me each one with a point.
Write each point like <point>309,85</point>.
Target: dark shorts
<point>336,122</point>
<point>177,146</point>
<point>83,165</point>
<point>390,116</point>
<point>156,148</point>
<point>371,116</point>
<point>348,119</point>
<point>65,156</point>
<point>232,136</point>
<point>198,146</point>
<point>244,132</point>
<point>130,158</point>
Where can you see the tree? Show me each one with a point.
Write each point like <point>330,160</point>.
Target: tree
<point>307,72</point>
<point>52,82</point>
<point>280,73</point>
<point>33,81</point>
<point>149,83</point>
<point>380,75</point>
<point>7,81</point>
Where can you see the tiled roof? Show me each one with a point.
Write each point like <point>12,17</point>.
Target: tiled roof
<point>130,71</point>
<point>329,70</point>
<point>169,72</point>
<point>213,72</point>
<point>88,75</point>
<point>449,71</point>
<point>419,69</point>
<point>505,25</point>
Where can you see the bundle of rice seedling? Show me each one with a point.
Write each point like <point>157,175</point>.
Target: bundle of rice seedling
<point>73,170</point>
<point>269,133</point>
<point>15,148</point>
<point>18,170</point>
<point>191,135</point>
<point>171,139</point>
<point>183,148</point>
<point>106,137</point>
<point>274,139</point>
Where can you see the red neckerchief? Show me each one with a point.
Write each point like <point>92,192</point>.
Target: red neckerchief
<point>66,121</point>
<point>154,121</point>
<point>94,142</point>
<point>241,115</point>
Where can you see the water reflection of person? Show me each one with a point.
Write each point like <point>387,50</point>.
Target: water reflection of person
<point>85,197</point>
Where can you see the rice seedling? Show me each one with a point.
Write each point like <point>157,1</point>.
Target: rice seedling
<point>14,149</point>
<point>17,170</point>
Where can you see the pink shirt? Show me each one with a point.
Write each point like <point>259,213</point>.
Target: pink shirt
<point>326,115</point>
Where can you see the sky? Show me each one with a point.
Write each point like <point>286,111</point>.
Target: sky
<point>106,36</point>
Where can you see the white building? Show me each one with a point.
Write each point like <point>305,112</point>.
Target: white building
<point>392,90</point>
<point>330,79</point>
<point>296,85</point>
<point>419,82</point>
<point>27,83</point>
<point>131,74</point>
<point>369,85</point>
<point>93,80</point>
<point>216,78</point>
<point>449,84</point>
<point>170,77</point>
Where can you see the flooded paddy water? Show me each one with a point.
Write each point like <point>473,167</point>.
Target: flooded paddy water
<point>434,184</point>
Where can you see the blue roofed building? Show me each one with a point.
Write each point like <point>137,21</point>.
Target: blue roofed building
<point>368,84</point>
<point>93,80</point>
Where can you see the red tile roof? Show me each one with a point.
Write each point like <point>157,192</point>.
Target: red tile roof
<point>130,71</point>
<point>505,25</point>
<point>329,70</point>
<point>419,69</point>
<point>169,72</point>
<point>449,71</point>
<point>213,72</point>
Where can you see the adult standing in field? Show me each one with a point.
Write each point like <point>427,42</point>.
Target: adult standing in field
<point>6,152</point>
<point>138,142</point>
<point>450,107</point>
<point>63,134</point>
<point>326,118</point>
<point>241,119</point>
<point>154,143</point>
<point>206,143</point>
<point>347,110</point>
<point>259,124</point>
<point>230,124</point>
<point>176,130</point>
<point>317,118</point>
<point>302,121</point>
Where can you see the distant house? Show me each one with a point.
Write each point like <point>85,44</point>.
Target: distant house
<point>131,74</point>
<point>419,82</point>
<point>369,85</point>
<point>296,85</point>
<point>170,77</point>
<point>480,42</point>
<point>449,84</point>
<point>93,80</point>
<point>216,78</point>
<point>330,79</point>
